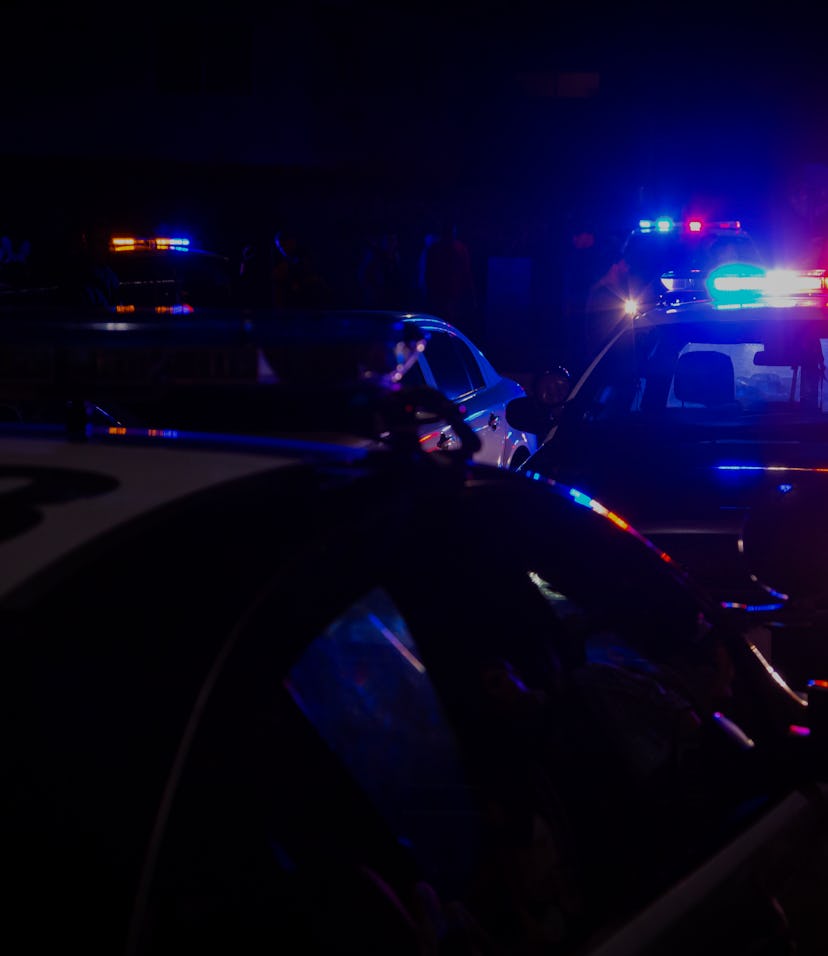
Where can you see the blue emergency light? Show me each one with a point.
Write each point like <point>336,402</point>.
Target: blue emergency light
<point>694,225</point>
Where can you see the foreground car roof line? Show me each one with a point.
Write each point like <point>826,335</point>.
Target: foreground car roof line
<point>109,487</point>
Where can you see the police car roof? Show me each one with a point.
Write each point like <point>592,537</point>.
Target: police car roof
<point>744,290</point>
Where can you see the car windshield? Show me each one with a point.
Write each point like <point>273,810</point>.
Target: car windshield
<point>753,371</point>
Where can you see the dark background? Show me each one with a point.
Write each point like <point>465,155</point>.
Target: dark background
<point>341,120</point>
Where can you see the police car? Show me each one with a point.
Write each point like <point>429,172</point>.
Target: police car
<point>169,273</point>
<point>705,423</point>
<point>276,679</point>
<point>687,248</point>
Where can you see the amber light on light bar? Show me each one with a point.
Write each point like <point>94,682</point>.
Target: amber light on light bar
<point>131,243</point>
<point>182,308</point>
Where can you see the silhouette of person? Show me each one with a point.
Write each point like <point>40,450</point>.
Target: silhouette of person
<point>582,267</point>
<point>15,253</point>
<point>86,277</point>
<point>380,274</point>
<point>421,290</point>
<point>449,280</point>
<point>285,268</point>
<point>254,289</point>
<point>606,308</point>
<point>540,409</point>
<point>295,283</point>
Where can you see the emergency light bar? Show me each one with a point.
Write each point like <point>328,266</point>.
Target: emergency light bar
<point>751,282</point>
<point>134,243</point>
<point>178,309</point>
<point>771,282</point>
<point>695,225</point>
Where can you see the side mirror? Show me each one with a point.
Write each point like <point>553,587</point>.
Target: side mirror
<point>528,415</point>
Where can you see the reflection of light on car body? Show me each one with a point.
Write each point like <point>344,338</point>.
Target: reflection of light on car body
<point>454,365</point>
<point>588,502</point>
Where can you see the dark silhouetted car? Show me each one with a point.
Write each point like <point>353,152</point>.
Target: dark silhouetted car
<point>706,424</point>
<point>168,273</point>
<point>274,679</point>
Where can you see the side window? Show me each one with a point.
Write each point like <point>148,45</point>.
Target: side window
<point>362,685</point>
<point>615,387</point>
<point>472,365</point>
<point>455,370</point>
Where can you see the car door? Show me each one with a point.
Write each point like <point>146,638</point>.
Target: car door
<point>455,370</point>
